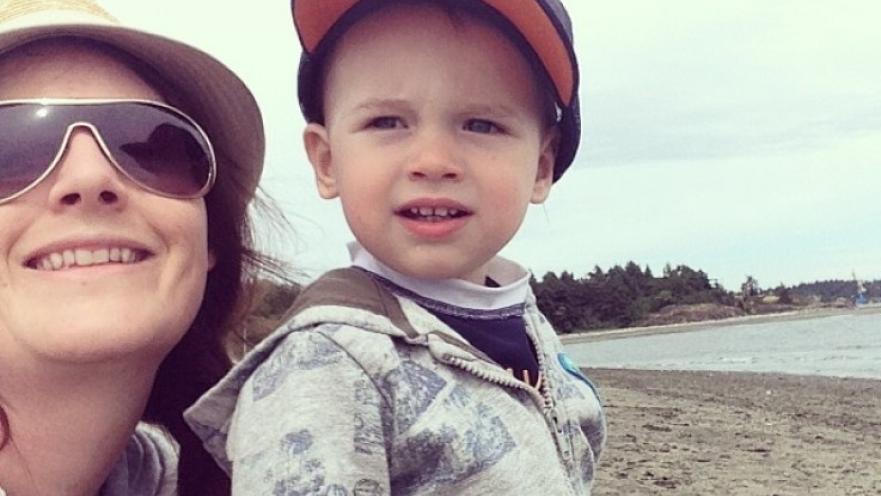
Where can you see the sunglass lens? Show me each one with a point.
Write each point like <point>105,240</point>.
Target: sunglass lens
<point>161,151</point>
<point>28,144</point>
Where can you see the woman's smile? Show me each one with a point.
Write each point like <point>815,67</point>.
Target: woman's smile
<point>76,254</point>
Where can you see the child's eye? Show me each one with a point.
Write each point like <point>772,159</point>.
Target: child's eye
<point>386,122</point>
<point>482,126</point>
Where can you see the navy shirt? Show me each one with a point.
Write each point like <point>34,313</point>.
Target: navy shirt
<point>500,334</point>
<point>502,339</point>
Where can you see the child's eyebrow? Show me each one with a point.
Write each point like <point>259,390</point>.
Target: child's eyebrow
<point>381,104</point>
<point>498,110</point>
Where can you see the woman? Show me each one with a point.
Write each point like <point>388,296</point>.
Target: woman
<point>127,161</point>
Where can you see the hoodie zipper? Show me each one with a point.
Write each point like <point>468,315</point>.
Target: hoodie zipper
<point>564,443</point>
<point>543,397</point>
<point>499,379</point>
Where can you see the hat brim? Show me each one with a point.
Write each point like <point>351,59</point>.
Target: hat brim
<point>220,101</point>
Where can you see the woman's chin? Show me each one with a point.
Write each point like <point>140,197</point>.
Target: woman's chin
<point>98,328</point>
<point>93,341</point>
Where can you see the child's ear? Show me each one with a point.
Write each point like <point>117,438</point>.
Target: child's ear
<point>317,145</point>
<point>544,176</point>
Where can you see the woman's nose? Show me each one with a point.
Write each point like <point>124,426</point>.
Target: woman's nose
<point>84,175</point>
<point>436,158</point>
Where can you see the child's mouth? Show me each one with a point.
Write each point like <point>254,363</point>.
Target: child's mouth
<point>433,214</point>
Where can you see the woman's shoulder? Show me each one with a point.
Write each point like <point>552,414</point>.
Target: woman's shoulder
<point>147,467</point>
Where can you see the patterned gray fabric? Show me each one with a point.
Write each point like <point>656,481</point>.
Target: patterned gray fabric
<point>148,467</point>
<point>338,401</point>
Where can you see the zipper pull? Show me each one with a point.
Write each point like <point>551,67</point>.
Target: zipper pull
<point>563,438</point>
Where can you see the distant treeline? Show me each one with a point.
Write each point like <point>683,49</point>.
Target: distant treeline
<point>619,297</point>
<point>829,291</point>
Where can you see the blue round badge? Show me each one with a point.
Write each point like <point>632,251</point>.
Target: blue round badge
<point>573,370</point>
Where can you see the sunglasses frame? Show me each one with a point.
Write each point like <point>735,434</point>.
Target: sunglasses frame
<point>96,134</point>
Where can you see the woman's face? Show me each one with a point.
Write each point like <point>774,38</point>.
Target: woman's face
<point>139,306</point>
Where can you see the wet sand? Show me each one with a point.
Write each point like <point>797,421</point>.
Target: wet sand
<point>721,433</point>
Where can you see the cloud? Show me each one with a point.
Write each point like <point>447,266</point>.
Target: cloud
<point>690,80</point>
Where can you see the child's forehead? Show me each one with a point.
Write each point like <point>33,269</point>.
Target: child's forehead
<point>431,32</point>
<point>461,43</point>
<point>400,22</point>
<point>461,47</point>
<point>398,19</point>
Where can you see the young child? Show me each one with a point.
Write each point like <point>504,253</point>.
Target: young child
<point>426,368</point>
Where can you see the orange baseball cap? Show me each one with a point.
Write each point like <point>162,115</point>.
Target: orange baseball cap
<point>541,28</point>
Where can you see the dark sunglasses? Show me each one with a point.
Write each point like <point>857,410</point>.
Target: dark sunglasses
<point>158,147</point>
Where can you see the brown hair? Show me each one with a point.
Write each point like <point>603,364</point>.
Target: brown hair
<point>199,360</point>
<point>4,428</point>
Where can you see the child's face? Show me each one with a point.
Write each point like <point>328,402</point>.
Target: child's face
<point>433,141</point>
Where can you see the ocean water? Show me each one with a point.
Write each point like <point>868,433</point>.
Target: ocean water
<point>842,345</point>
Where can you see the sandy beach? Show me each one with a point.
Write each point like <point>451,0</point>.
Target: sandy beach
<point>719,433</point>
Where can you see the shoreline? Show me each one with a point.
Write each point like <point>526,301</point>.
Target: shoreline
<point>738,433</point>
<point>629,332</point>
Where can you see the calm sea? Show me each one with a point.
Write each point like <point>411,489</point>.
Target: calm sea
<point>842,345</point>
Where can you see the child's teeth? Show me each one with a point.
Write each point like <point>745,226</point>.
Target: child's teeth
<point>438,213</point>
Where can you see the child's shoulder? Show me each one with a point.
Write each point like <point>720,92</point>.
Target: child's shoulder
<point>544,330</point>
<point>307,346</point>
<point>348,296</point>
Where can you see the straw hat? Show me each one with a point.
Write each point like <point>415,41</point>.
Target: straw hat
<point>221,102</point>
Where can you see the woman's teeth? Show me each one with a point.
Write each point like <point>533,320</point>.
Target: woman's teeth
<point>85,258</point>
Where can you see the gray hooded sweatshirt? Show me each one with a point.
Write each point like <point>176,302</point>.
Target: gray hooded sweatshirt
<point>363,392</point>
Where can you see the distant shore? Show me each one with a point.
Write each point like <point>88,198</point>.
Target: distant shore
<point>740,434</point>
<point>629,332</point>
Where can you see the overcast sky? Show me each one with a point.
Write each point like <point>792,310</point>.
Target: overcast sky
<point>736,136</point>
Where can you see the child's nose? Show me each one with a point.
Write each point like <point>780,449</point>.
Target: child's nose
<point>436,159</point>
<point>84,176</point>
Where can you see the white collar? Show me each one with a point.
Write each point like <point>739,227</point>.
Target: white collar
<point>512,278</point>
